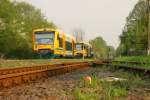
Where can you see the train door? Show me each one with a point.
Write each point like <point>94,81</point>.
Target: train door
<point>73,47</point>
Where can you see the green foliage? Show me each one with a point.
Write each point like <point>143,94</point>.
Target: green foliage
<point>134,58</point>
<point>144,61</point>
<point>134,80</point>
<point>100,48</point>
<point>17,20</point>
<point>115,90</point>
<point>134,36</point>
<point>85,96</point>
<point>100,90</point>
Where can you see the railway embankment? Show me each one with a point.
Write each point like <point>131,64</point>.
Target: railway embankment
<point>105,84</point>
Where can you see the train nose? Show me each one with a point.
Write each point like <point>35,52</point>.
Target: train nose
<point>44,47</point>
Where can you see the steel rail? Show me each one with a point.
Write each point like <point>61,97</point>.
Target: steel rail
<point>130,62</point>
<point>122,65</point>
<point>16,76</point>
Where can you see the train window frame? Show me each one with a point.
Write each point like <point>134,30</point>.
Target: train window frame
<point>45,32</point>
<point>60,41</point>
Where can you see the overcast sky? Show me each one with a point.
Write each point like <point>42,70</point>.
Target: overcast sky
<point>104,18</point>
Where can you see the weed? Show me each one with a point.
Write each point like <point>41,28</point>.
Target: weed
<point>100,89</point>
<point>85,95</point>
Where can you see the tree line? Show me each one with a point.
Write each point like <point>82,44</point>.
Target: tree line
<point>134,36</point>
<point>101,50</point>
<point>17,20</point>
<point>99,46</point>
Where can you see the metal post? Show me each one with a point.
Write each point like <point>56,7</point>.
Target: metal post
<point>82,38</point>
<point>148,48</point>
<point>83,51</point>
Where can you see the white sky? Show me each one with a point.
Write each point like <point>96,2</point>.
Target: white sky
<point>104,18</point>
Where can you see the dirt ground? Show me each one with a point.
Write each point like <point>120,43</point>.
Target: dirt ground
<point>52,88</point>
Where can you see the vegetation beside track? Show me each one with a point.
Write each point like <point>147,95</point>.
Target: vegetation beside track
<point>133,40</point>
<point>134,61</point>
<point>101,89</point>
<point>134,58</point>
<point>32,62</point>
<point>70,86</point>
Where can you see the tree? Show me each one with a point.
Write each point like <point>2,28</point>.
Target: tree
<point>100,48</point>
<point>134,35</point>
<point>110,52</point>
<point>17,20</point>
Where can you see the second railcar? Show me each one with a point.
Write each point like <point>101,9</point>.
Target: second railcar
<point>83,49</point>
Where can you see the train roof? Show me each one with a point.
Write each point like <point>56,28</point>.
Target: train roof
<point>86,43</point>
<point>68,35</point>
<point>60,31</point>
<point>45,29</point>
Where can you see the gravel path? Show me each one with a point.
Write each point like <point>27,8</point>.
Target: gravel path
<point>53,88</point>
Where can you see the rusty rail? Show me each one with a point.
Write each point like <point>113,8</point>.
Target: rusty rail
<point>124,65</point>
<point>15,76</point>
<point>130,62</point>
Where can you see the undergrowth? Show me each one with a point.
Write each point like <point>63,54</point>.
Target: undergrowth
<point>100,89</point>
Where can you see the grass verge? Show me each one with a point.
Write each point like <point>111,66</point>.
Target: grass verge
<point>144,61</point>
<point>101,89</point>
<point>32,62</point>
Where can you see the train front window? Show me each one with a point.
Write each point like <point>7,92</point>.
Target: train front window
<point>78,47</point>
<point>44,37</point>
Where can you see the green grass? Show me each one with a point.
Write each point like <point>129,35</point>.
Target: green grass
<point>32,62</point>
<point>140,59</point>
<point>101,89</point>
<point>85,96</point>
<point>134,58</point>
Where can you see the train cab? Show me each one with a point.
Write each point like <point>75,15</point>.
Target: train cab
<point>52,42</point>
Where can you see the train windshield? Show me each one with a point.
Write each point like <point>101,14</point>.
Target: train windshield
<point>44,37</point>
<point>78,46</point>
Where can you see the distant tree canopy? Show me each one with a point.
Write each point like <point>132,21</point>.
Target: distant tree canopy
<point>17,20</point>
<point>134,35</point>
<point>100,48</point>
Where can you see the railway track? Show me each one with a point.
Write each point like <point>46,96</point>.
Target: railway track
<point>15,76</point>
<point>130,66</point>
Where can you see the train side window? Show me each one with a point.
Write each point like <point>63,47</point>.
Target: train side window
<point>68,46</point>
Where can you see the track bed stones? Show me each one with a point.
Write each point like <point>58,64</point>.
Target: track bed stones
<point>60,87</point>
<point>51,88</point>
